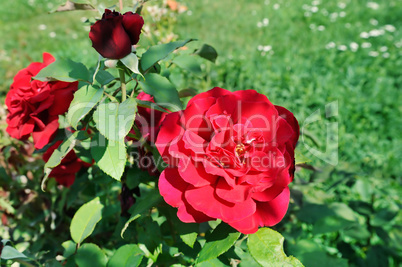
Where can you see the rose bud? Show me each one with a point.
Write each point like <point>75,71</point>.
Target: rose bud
<point>115,34</point>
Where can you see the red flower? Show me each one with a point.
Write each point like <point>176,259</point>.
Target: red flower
<point>34,106</point>
<point>148,122</point>
<point>114,34</point>
<point>231,157</point>
<point>69,166</point>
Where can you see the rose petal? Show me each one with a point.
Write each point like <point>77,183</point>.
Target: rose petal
<point>216,207</point>
<point>133,23</point>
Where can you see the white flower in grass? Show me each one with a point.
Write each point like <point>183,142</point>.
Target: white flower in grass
<point>390,28</point>
<point>307,14</point>
<point>341,5</point>
<point>52,34</point>
<point>374,22</point>
<point>312,26</point>
<point>267,48</point>
<point>260,47</point>
<point>383,49</point>
<point>373,5</point>
<point>364,35</point>
<point>277,6</point>
<point>342,47</point>
<point>376,33</point>
<point>330,45</point>
<point>385,55</point>
<point>324,12</point>
<point>314,9</point>
<point>265,21</point>
<point>353,46</point>
<point>315,3</point>
<point>42,27</point>
<point>398,44</point>
<point>366,45</point>
<point>342,14</point>
<point>373,54</point>
<point>333,16</point>
<point>321,28</point>
<point>259,24</point>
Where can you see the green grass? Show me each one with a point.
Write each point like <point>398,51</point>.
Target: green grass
<point>304,76</point>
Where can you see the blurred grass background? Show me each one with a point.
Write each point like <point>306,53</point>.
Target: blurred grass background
<point>303,55</point>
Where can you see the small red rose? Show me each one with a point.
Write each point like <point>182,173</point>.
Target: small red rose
<point>34,106</point>
<point>230,157</point>
<point>115,34</point>
<point>148,121</point>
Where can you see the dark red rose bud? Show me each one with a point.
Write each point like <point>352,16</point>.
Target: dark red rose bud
<point>114,35</point>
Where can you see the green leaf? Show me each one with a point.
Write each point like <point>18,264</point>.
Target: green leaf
<point>85,220</point>
<point>142,204</point>
<point>59,153</point>
<point>90,255</point>
<point>188,63</point>
<point>109,155</point>
<point>63,70</point>
<point>84,100</point>
<point>114,120</point>
<point>158,52</point>
<point>151,105</point>
<point>9,253</point>
<point>126,256</point>
<point>69,248</point>
<point>104,77</point>
<point>211,263</point>
<point>218,242</point>
<point>266,247</point>
<point>131,62</point>
<point>188,233</point>
<point>207,52</point>
<point>163,91</point>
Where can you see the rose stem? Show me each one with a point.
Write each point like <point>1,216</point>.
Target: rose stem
<point>123,85</point>
<point>121,5</point>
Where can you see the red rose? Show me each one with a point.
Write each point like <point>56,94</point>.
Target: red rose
<point>114,34</point>
<point>34,106</point>
<point>231,157</point>
<point>69,166</point>
<point>148,122</point>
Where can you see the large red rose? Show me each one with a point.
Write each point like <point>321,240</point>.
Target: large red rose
<point>34,106</point>
<point>231,157</point>
<point>69,166</point>
<point>114,35</point>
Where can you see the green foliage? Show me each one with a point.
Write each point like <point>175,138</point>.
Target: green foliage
<point>159,52</point>
<point>115,120</point>
<point>126,256</point>
<point>163,91</point>
<point>109,155</point>
<point>85,220</point>
<point>266,247</point>
<point>221,240</point>
<point>63,70</point>
<point>84,101</point>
